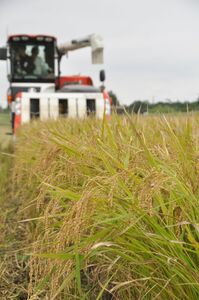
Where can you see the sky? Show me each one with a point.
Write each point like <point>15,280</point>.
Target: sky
<point>151,46</point>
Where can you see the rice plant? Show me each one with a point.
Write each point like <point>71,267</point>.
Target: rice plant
<point>111,207</point>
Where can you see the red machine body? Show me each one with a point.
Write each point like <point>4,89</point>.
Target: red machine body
<point>75,79</point>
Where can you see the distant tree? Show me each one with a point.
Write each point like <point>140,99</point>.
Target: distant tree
<point>138,107</point>
<point>114,98</point>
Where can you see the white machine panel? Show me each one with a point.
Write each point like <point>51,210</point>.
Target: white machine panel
<point>53,107</point>
<point>49,105</point>
<point>72,105</point>
<point>25,108</point>
<point>44,108</point>
<point>100,107</point>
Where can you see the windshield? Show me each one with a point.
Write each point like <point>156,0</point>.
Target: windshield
<point>32,61</point>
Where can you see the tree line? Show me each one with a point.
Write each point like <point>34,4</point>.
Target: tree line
<point>139,106</point>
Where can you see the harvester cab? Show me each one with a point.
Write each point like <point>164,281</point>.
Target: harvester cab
<point>31,64</point>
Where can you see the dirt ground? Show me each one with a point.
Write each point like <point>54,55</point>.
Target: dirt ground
<point>14,273</point>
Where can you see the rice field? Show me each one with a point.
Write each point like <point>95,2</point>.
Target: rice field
<point>110,209</point>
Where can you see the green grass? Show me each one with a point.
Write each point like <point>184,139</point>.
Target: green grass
<point>5,150</point>
<point>111,207</point>
<point>5,129</point>
<point>4,118</point>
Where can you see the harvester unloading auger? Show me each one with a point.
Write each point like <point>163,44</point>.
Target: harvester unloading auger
<point>37,88</point>
<point>94,41</point>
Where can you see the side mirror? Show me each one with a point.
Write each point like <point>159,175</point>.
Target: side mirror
<point>102,76</point>
<point>3,53</point>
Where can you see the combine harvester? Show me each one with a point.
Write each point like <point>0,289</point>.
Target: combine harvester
<point>37,89</point>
